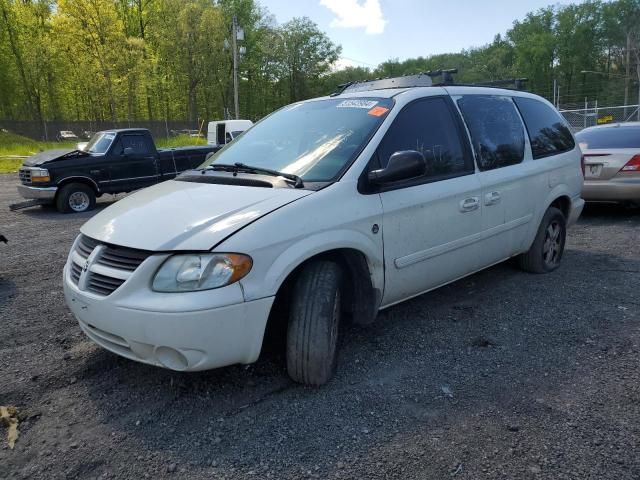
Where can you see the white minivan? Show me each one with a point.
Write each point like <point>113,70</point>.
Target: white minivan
<point>328,209</point>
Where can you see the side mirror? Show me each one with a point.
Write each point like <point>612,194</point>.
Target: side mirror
<point>127,151</point>
<point>402,165</point>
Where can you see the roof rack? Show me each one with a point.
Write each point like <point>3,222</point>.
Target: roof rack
<point>518,83</point>
<point>423,79</point>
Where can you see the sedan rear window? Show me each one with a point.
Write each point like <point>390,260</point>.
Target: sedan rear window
<point>609,137</point>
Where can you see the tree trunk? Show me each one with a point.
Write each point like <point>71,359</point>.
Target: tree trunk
<point>628,72</point>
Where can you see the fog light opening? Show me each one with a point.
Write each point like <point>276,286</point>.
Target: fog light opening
<point>171,358</point>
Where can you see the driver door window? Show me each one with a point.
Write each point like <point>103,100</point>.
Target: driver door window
<point>428,126</point>
<point>137,144</point>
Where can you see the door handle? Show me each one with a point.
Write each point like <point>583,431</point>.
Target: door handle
<point>492,198</point>
<point>469,204</point>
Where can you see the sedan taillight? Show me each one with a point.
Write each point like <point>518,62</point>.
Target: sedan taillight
<point>632,165</point>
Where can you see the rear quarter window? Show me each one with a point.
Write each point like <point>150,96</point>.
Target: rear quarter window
<point>548,132</point>
<point>609,137</point>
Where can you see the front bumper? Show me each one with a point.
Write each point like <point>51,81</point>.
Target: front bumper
<point>155,332</point>
<point>37,193</point>
<point>614,190</point>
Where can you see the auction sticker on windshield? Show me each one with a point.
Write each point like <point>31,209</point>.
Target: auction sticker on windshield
<point>378,111</point>
<point>365,104</point>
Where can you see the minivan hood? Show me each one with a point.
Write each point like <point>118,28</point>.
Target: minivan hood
<point>177,215</point>
<point>49,156</point>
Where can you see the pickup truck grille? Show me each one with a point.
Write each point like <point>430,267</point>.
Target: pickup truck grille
<point>111,266</point>
<point>25,175</point>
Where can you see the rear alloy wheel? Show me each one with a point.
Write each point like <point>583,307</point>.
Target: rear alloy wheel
<point>75,198</point>
<point>314,320</point>
<point>546,251</point>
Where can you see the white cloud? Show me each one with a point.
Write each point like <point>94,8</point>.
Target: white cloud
<point>343,63</point>
<point>357,14</point>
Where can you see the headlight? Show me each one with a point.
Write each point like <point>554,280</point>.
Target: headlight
<point>192,272</point>
<point>40,175</point>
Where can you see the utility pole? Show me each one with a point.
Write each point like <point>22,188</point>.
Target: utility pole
<point>234,47</point>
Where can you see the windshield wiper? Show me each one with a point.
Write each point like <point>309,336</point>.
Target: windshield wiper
<point>241,167</point>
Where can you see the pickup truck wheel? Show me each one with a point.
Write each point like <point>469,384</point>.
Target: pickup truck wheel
<point>75,198</point>
<point>314,319</point>
<point>546,251</point>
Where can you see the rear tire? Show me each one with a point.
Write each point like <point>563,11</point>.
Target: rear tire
<point>75,198</point>
<point>314,319</point>
<point>545,253</point>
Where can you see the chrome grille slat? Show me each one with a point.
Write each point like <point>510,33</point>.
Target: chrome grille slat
<point>76,270</point>
<point>121,260</point>
<point>102,280</point>
<point>86,245</point>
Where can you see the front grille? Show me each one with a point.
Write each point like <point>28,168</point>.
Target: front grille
<point>120,262</point>
<point>122,258</point>
<point>25,175</point>
<point>75,272</point>
<point>103,285</point>
<point>86,245</point>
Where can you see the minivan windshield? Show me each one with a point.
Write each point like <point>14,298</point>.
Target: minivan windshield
<point>609,137</point>
<point>100,143</point>
<point>315,140</point>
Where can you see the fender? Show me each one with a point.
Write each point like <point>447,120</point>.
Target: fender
<point>308,247</point>
<point>561,190</point>
<point>66,179</point>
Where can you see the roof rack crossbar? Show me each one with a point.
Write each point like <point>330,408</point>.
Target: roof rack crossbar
<point>423,79</point>
<point>518,83</point>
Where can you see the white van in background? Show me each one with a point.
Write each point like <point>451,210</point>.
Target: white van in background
<point>222,132</point>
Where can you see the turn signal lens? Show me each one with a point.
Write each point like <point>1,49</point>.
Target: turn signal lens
<point>40,179</point>
<point>40,175</point>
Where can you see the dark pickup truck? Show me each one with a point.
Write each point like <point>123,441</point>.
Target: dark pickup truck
<point>114,161</point>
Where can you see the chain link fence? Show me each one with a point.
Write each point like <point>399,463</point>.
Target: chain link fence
<point>582,118</point>
<point>51,130</point>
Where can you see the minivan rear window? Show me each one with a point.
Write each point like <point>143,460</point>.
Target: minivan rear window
<point>548,132</point>
<point>609,137</point>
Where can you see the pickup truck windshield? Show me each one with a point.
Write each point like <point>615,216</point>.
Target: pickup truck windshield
<point>314,140</point>
<point>100,142</point>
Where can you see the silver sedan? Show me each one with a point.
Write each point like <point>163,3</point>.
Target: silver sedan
<point>611,162</point>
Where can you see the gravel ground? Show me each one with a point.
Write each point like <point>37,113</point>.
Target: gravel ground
<point>502,375</point>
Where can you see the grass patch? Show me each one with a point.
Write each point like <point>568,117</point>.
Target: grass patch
<point>17,145</point>
<point>180,141</point>
<point>9,166</point>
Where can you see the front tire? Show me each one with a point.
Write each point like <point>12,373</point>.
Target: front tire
<point>314,319</point>
<point>545,253</point>
<point>75,198</point>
